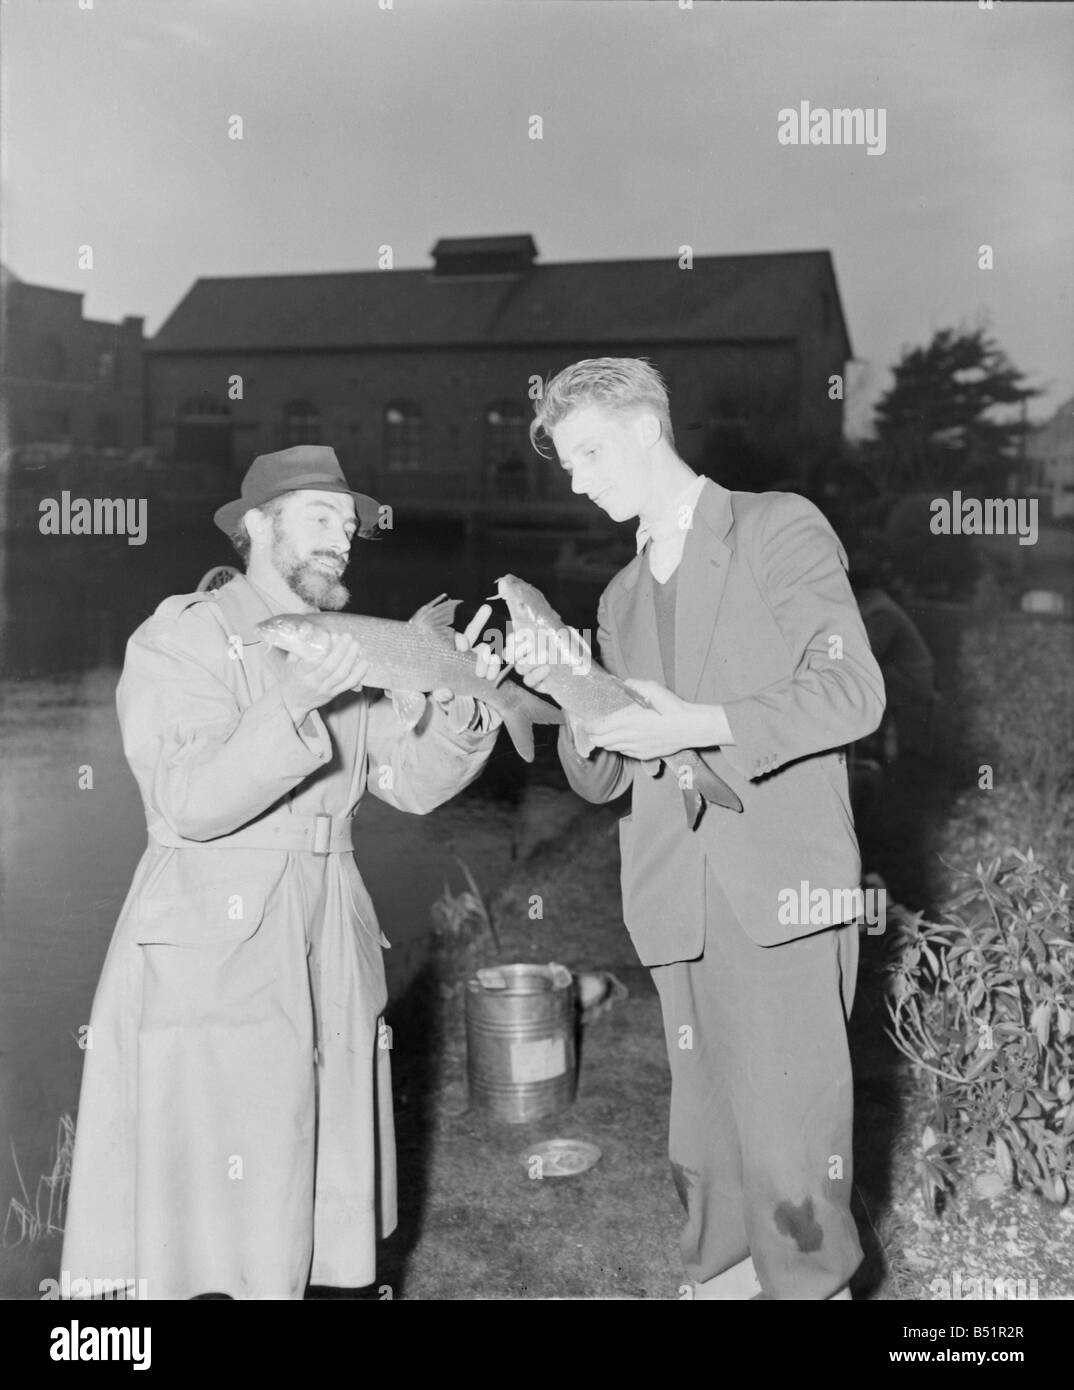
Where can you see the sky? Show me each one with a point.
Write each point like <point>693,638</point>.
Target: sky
<point>373,122</point>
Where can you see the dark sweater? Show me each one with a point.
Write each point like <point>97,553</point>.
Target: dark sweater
<point>664,596</point>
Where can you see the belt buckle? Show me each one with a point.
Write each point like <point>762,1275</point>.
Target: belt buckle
<point>322,834</point>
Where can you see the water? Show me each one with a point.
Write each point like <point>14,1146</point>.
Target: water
<point>67,852</point>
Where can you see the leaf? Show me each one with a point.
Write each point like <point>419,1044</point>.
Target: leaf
<point>986,1059</point>
<point>1041,1022</point>
<point>1004,1161</point>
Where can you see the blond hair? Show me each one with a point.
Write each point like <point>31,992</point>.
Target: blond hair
<point>617,383</point>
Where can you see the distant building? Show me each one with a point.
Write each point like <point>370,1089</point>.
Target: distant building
<point>421,379</point>
<point>1049,463</point>
<point>65,379</point>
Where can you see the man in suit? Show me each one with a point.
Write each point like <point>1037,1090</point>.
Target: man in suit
<point>737,623</point>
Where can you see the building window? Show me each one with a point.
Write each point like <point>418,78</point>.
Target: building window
<point>507,450</point>
<point>53,359</point>
<point>301,424</point>
<point>402,437</point>
<point>106,366</point>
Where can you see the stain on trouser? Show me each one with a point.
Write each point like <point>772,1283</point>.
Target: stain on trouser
<point>762,1105</point>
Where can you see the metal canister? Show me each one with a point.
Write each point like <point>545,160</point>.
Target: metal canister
<point>520,1056</point>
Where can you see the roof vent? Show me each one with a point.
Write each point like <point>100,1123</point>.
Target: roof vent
<point>484,255</point>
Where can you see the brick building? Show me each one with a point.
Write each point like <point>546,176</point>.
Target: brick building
<point>66,379</point>
<point>420,378</point>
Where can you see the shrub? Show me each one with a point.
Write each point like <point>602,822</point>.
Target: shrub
<point>981,1004</point>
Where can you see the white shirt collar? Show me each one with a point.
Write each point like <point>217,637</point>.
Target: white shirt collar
<point>676,519</point>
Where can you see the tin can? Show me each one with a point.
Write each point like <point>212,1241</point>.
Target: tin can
<point>520,1053</point>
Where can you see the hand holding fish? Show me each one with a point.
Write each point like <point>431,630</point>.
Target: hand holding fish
<point>519,651</point>
<point>668,726</point>
<point>308,682</point>
<point>487,667</point>
<point>488,663</point>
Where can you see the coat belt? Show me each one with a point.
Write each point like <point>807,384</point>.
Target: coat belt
<point>282,830</point>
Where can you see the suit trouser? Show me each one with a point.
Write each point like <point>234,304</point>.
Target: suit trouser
<point>762,1104</point>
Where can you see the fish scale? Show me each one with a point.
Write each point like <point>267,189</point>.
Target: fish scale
<point>416,656</point>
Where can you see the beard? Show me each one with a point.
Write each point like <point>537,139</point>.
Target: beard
<point>310,581</point>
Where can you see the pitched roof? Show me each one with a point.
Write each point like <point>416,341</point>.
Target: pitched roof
<point>755,297</point>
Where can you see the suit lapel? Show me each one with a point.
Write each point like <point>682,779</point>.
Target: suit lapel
<point>634,614</point>
<point>703,574</point>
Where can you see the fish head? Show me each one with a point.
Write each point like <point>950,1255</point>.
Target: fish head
<point>526,604</point>
<point>541,636</point>
<point>294,632</point>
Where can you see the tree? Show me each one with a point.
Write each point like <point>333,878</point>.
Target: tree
<point>937,427</point>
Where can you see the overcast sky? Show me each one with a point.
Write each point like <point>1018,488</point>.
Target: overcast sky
<point>364,126</point>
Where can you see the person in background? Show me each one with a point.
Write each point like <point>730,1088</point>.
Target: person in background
<point>894,770</point>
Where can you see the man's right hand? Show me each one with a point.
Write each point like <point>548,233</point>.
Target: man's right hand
<point>306,685</point>
<point>517,654</point>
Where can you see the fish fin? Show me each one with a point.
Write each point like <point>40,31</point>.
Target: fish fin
<point>694,804</point>
<point>703,780</point>
<point>437,618</point>
<point>409,706</point>
<point>520,709</point>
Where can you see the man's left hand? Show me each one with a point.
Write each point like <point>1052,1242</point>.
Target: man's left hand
<point>488,663</point>
<point>671,726</point>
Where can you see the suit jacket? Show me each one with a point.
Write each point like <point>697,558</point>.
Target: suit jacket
<point>767,626</point>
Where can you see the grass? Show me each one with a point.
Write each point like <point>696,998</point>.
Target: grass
<point>36,1218</point>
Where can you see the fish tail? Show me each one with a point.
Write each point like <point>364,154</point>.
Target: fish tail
<point>521,709</point>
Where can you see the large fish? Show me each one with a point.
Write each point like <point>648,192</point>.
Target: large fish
<point>413,658</point>
<point>586,691</point>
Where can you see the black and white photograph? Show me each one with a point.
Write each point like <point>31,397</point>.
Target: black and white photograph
<point>536,655</point>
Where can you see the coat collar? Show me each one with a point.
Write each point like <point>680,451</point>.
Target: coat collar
<point>244,606</point>
<point>703,574</point>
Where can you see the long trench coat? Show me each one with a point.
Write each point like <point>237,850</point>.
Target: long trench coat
<point>235,1128</point>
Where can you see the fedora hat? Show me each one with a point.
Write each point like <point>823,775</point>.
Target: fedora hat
<point>306,467</point>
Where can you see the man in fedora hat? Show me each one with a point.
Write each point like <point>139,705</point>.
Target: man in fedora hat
<point>235,1125</point>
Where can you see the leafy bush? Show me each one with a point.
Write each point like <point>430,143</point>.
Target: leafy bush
<point>981,1003</point>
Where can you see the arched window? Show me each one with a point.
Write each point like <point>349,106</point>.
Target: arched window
<point>402,436</point>
<point>301,424</point>
<point>53,359</point>
<point>507,450</point>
